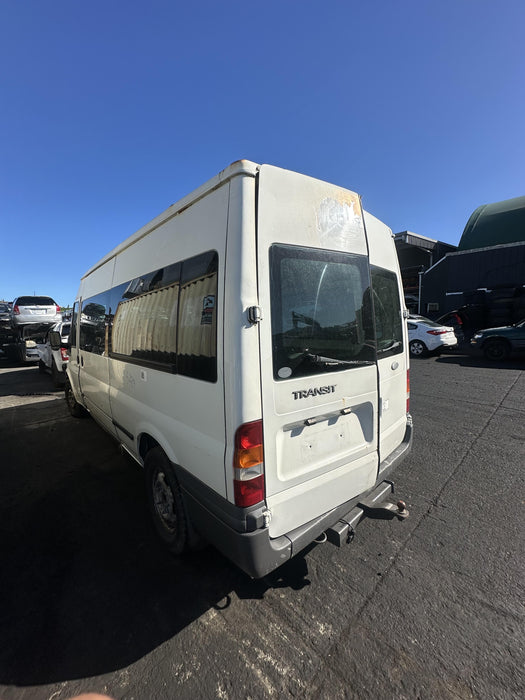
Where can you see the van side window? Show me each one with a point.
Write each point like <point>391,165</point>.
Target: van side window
<point>168,318</point>
<point>197,342</point>
<point>94,324</point>
<point>387,312</point>
<point>145,326</point>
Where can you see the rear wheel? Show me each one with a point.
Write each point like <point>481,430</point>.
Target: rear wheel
<point>417,348</point>
<point>165,501</point>
<point>496,350</point>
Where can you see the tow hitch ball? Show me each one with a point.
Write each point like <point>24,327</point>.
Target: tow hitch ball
<point>383,509</point>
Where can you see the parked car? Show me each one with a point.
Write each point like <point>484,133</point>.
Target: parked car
<point>5,316</point>
<point>34,310</point>
<point>499,343</point>
<point>53,353</point>
<point>426,336</point>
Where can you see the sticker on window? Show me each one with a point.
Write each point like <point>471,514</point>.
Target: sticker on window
<point>208,305</point>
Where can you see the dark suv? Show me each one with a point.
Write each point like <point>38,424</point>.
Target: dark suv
<point>499,343</point>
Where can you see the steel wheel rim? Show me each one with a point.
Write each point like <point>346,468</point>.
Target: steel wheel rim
<point>164,501</point>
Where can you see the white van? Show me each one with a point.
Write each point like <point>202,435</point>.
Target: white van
<point>248,348</point>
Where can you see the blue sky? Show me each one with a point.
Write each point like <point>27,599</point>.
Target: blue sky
<point>112,110</point>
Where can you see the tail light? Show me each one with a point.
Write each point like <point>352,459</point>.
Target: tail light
<point>64,355</point>
<point>408,391</point>
<point>58,308</point>
<point>440,332</point>
<point>248,465</point>
<point>16,310</point>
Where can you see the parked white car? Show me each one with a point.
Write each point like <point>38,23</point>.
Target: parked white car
<point>34,310</point>
<point>426,336</point>
<point>53,352</point>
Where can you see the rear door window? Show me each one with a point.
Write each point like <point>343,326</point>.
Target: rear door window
<point>321,311</point>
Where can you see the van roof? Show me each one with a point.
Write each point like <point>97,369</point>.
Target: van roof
<point>238,167</point>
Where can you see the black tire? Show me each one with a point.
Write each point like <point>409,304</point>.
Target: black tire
<point>165,501</point>
<point>417,348</point>
<point>76,410</point>
<point>496,350</point>
<point>41,367</point>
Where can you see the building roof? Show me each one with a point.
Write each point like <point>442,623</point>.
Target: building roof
<point>495,224</point>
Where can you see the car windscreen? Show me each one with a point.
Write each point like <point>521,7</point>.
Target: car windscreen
<point>321,311</point>
<point>35,301</point>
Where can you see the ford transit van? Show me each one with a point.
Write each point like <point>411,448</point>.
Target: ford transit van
<point>248,348</point>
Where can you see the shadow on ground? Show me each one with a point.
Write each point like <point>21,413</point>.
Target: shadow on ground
<point>86,587</point>
<point>516,362</point>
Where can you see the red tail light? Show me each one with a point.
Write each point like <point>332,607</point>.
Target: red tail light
<point>408,391</point>
<point>440,332</point>
<point>58,309</point>
<point>16,310</point>
<point>64,355</point>
<point>248,465</point>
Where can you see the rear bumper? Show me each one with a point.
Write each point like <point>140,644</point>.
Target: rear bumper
<point>257,554</point>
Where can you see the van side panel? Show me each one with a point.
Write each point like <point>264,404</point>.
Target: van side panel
<point>183,414</point>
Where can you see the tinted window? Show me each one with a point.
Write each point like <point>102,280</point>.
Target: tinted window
<point>197,339</point>
<point>94,324</point>
<point>321,311</point>
<point>145,326</point>
<point>35,301</point>
<point>387,312</point>
<point>167,318</point>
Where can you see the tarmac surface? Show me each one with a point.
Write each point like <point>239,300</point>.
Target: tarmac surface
<point>431,607</point>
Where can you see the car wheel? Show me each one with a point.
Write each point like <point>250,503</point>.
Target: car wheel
<point>76,410</point>
<point>165,501</point>
<point>496,350</point>
<point>41,367</point>
<point>417,348</point>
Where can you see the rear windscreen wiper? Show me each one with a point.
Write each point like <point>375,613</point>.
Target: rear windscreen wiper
<point>334,362</point>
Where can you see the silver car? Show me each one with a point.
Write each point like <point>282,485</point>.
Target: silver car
<point>34,310</point>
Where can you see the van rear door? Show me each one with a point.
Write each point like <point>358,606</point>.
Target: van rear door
<point>319,378</point>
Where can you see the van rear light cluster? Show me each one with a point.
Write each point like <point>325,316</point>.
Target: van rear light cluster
<point>64,355</point>
<point>248,465</point>
<point>408,391</point>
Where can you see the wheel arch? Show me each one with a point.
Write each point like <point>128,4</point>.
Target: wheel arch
<point>499,339</point>
<point>148,438</point>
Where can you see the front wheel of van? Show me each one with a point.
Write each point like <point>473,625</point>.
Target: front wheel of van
<point>165,501</point>
<point>76,410</point>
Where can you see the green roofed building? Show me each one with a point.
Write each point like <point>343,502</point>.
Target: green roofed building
<point>485,277</point>
<point>495,224</point>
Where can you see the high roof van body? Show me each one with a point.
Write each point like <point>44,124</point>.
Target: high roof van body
<point>248,348</point>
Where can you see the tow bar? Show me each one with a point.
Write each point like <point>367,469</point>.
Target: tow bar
<point>373,506</point>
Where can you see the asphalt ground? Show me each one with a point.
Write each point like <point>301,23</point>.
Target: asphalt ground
<point>431,607</point>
